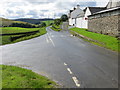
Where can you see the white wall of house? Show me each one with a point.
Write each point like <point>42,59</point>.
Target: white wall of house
<point>73,15</point>
<point>82,23</point>
<point>70,21</point>
<point>87,12</point>
<point>73,22</point>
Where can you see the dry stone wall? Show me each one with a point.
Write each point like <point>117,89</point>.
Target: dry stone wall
<point>109,25</point>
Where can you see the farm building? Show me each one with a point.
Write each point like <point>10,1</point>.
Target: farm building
<point>106,21</point>
<point>73,15</point>
<point>79,17</point>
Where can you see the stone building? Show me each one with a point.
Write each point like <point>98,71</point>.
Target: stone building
<point>106,21</point>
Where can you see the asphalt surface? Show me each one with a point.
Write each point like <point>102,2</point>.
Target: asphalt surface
<point>68,60</point>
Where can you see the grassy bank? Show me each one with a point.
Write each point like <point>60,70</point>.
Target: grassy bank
<point>56,27</point>
<point>16,77</point>
<point>6,30</point>
<point>108,41</point>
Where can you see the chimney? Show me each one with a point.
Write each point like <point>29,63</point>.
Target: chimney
<point>78,6</point>
<point>74,8</point>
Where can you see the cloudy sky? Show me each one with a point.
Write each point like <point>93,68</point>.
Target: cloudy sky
<point>13,9</point>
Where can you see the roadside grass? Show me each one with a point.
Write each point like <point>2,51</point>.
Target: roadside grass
<point>108,41</point>
<point>56,27</point>
<point>16,77</point>
<point>6,30</point>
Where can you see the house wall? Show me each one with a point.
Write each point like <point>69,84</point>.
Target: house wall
<point>73,22</point>
<point>87,13</point>
<point>82,23</point>
<point>105,25</point>
<point>70,22</point>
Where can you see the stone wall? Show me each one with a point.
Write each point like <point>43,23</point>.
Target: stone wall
<point>64,26</point>
<point>109,25</point>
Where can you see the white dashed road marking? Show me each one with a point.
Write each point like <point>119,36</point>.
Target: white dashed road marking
<point>69,70</point>
<point>65,64</point>
<point>76,81</point>
<point>51,40</point>
<point>47,39</point>
<point>74,78</point>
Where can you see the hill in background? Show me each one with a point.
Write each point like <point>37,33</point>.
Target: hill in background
<point>33,21</point>
<point>7,22</point>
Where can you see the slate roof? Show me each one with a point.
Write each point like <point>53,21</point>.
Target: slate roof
<point>96,9</point>
<point>107,10</point>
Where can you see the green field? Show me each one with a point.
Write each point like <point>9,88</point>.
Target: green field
<point>16,77</point>
<point>6,39</point>
<point>6,30</point>
<point>108,41</point>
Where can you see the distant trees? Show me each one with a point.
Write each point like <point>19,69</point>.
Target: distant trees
<point>43,24</point>
<point>57,21</point>
<point>23,25</point>
<point>64,18</point>
<point>38,23</point>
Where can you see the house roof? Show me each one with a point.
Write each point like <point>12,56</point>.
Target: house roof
<point>96,9</point>
<point>107,10</point>
<point>71,11</point>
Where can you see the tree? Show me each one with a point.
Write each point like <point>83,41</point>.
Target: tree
<point>43,24</point>
<point>57,22</point>
<point>23,25</point>
<point>64,17</point>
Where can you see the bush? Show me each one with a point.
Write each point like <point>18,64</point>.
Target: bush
<point>64,17</point>
<point>43,24</point>
<point>57,22</point>
<point>23,25</point>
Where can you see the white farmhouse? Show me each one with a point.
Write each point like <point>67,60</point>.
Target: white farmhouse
<point>79,17</point>
<point>74,14</point>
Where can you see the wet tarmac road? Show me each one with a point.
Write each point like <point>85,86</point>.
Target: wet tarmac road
<point>68,60</point>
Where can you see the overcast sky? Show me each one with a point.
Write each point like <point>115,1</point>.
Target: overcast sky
<point>13,9</point>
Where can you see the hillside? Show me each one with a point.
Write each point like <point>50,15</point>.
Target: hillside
<point>33,21</point>
<point>7,22</point>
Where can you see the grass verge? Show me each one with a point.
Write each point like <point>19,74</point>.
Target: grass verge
<point>16,77</point>
<point>6,39</point>
<point>55,27</point>
<point>108,41</point>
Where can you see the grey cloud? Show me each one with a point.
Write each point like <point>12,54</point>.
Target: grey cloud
<point>44,10</point>
<point>10,11</point>
<point>16,4</point>
<point>32,12</point>
<point>41,1</point>
<point>69,5</point>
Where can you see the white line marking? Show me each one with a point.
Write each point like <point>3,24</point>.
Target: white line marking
<point>65,64</point>
<point>47,39</point>
<point>76,81</point>
<point>51,40</point>
<point>69,70</point>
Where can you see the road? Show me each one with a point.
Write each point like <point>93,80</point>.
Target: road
<point>68,60</point>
